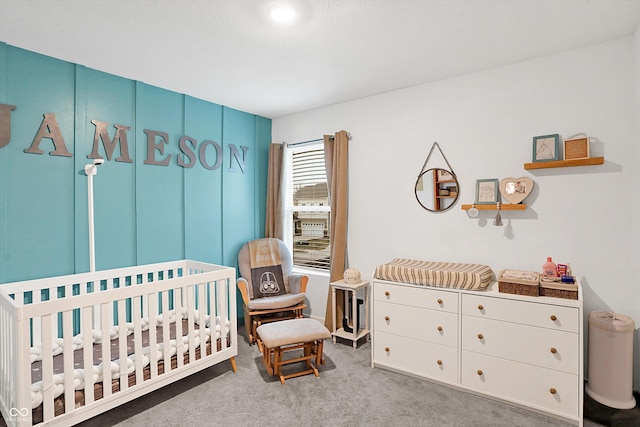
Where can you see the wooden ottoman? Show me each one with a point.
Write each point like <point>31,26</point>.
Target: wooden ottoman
<point>276,338</point>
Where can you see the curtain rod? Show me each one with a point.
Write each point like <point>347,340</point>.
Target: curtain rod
<point>293,144</point>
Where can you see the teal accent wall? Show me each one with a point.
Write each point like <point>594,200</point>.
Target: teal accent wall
<point>144,213</point>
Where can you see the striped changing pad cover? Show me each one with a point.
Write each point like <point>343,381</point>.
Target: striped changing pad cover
<point>438,274</point>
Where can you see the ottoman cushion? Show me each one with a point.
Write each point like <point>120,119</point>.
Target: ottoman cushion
<point>277,334</point>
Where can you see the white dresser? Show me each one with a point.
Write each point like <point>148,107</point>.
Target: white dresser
<point>524,350</point>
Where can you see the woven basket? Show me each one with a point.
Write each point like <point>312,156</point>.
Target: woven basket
<point>558,290</point>
<point>519,282</point>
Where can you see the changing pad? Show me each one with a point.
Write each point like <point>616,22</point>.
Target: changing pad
<point>438,274</point>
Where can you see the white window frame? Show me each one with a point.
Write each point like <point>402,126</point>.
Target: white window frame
<point>289,208</point>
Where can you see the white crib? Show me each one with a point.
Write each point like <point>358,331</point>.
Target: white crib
<point>52,347</point>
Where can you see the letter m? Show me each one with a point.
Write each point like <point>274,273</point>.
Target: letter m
<point>120,138</point>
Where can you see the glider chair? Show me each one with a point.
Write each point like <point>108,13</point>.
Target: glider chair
<point>270,292</point>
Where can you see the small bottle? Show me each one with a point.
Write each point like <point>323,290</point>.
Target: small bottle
<point>549,268</point>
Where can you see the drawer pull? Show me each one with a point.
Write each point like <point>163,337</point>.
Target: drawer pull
<point>480,372</point>
<point>553,317</point>
<point>439,328</point>
<point>439,301</point>
<point>386,293</point>
<point>387,349</point>
<point>480,336</point>
<point>553,350</point>
<point>386,318</point>
<point>480,307</point>
<point>553,390</point>
<point>439,362</point>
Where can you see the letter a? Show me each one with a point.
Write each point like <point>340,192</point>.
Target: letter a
<point>49,129</point>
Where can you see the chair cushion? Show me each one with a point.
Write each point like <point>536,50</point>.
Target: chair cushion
<point>280,301</point>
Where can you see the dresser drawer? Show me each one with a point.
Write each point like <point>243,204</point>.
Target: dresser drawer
<point>438,327</point>
<point>530,313</point>
<point>423,297</point>
<point>539,387</point>
<point>528,344</point>
<point>415,357</point>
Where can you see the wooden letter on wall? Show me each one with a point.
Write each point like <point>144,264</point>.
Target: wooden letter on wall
<point>49,129</point>
<point>5,123</point>
<point>152,146</point>
<point>120,138</point>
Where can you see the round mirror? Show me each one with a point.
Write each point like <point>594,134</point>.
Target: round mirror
<point>437,189</point>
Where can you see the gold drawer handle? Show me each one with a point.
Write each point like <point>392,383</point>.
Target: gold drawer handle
<point>480,336</point>
<point>553,317</point>
<point>387,349</point>
<point>553,350</point>
<point>386,293</point>
<point>386,318</point>
<point>439,328</point>
<point>439,301</point>
<point>553,390</point>
<point>480,307</point>
<point>480,372</point>
<point>439,362</point>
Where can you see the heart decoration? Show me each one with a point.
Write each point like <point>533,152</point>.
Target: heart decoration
<point>515,190</point>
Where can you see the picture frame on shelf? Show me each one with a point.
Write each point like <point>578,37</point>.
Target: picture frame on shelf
<point>546,148</point>
<point>444,175</point>
<point>487,191</point>
<point>577,148</point>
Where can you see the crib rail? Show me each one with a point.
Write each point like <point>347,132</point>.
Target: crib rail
<point>66,315</point>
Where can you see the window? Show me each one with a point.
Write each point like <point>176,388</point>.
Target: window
<point>308,207</point>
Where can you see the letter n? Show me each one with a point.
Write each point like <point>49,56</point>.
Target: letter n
<point>120,138</point>
<point>236,155</point>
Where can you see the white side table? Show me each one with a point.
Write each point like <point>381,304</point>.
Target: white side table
<point>358,332</point>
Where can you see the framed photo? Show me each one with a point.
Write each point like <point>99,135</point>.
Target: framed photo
<point>546,148</point>
<point>444,175</point>
<point>486,191</point>
<point>576,148</point>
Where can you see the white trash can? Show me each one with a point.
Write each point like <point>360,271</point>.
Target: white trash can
<point>610,366</point>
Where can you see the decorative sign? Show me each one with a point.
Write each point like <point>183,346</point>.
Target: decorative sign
<point>190,152</point>
<point>576,148</point>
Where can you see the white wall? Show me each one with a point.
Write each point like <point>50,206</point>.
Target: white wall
<point>484,122</point>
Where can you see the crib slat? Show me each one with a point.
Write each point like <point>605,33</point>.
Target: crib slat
<point>137,339</point>
<point>191,306</point>
<point>153,341</point>
<point>202,311</point>
<point>105,320</point>
<point>166,329</point>
<point>177,304</point>
<point>67,339</point>
<point>122,344</point>
<point>221,286</point>
<point>47,369</point>
<point>86,318</point>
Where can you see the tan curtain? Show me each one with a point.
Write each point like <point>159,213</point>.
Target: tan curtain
<point>336,152</point>
<point>274,216</point>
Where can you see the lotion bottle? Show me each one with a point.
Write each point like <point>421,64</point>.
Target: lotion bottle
<point>549,268</point>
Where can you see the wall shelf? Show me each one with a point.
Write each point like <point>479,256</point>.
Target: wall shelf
<point>493,207</point>
<point>564,163</point>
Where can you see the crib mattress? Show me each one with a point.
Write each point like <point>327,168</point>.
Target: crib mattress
<point>98,388</point>
<point>78,359</point>
<point>437,274</point>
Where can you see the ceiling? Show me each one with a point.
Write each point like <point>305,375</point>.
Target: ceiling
<point>231,53</point>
